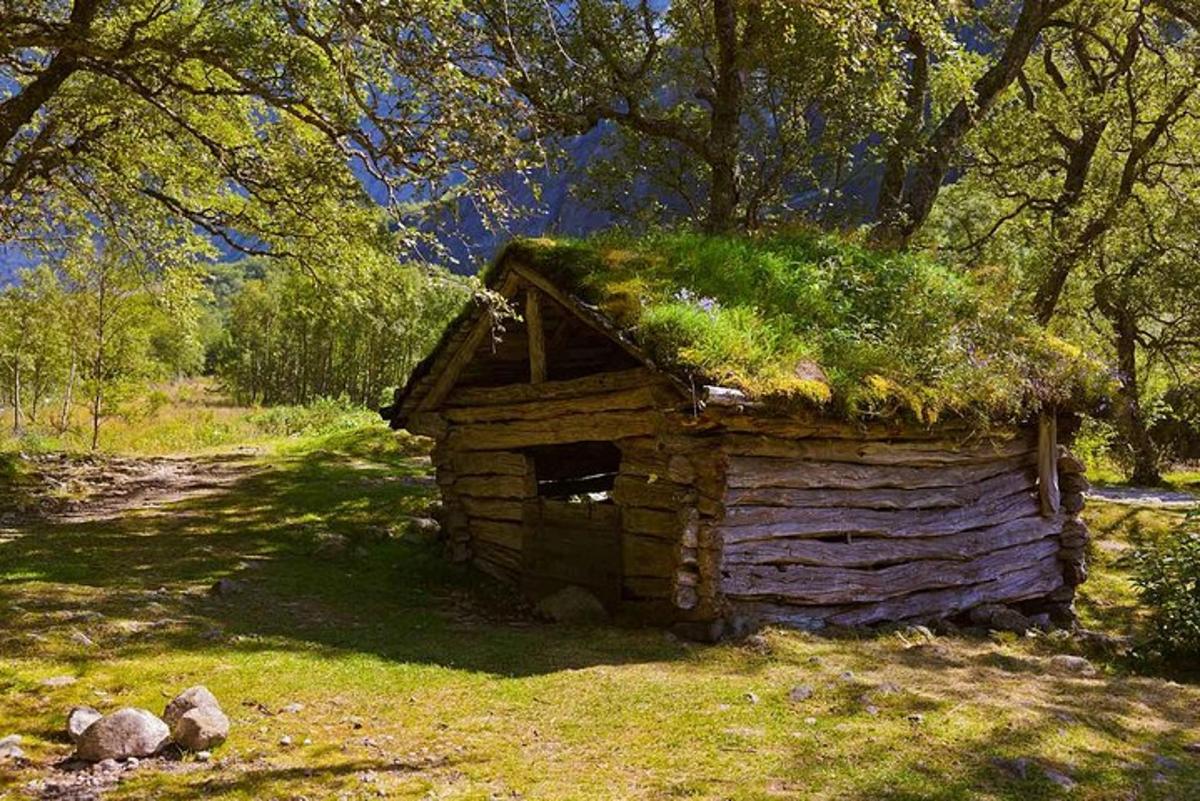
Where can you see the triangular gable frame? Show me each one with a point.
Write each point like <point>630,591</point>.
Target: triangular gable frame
<point>450,358</point>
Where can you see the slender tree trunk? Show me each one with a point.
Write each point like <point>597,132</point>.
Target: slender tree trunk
<point>16,397</point>
<point>1128,414</point>
<point>64,418</point>
<point>895,168</point>
<point>97,409</point>
<point>724,139</point>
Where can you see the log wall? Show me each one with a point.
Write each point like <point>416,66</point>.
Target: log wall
<point>487,478</point>
<point>828,530</point>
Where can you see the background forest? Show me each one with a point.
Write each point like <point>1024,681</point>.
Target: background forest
<point>280,194</point>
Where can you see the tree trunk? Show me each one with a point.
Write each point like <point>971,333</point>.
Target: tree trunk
<point>16,397</point>
<point>724,137</point>
<point>924,181</point>
<point>895,167</point>
<point>64,418</point>
<point>1128,414</point>
<point>96,411</point>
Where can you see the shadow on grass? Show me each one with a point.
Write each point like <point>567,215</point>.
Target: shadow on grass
<point>139,582</point>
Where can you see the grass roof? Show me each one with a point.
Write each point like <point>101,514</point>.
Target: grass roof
<point>820,319</point>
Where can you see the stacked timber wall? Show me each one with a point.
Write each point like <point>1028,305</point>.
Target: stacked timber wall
<point>487,478</point>
<point>838,530</point>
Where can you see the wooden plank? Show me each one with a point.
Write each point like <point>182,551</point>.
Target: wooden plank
<point>934,497</point>
<point>496,486</point>
<point>493,509</point>
<point>886,551</point>
<point>490,463</point>
<point>632,490</point>
<point>1020,584</point>
<point>598,383</point>
<point>652,522</point>
<point>603,427</point>
<point>747,472</point>
<point>572,544</point>
<point>619,400</point>
<point>918,453</point>
<point>1048,490</point>
<point>537,337</point>
<point>648,556</point>
<point>448,372</point>
<point>493,532</point>
<point>745,524</point>
<point>803,584</point>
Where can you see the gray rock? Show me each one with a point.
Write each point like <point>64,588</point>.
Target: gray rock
<point>201,729</point>
<point>78,719</point>
<point>1066,663</point>
<point>1001,618</point>
<point>1017,768</point>
<point>10,748</point>
<point>126,733</point>
<point>192,698</point>
<point>1166,763</point>
<point>423,527</point>
<point>203,756</point>
<point>79,638</point>
<point>571,605</point>
<point>223,588</point>
<point>801,692</point>
<point>59,681</point>
<point>1061,779</point>
<point>751,698</point>
<point>292,709</point>
<point>1192,748</point>
<point>916,718</point>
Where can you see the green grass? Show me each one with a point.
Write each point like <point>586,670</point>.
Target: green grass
<point>822,319</point>
<point>459,696</point>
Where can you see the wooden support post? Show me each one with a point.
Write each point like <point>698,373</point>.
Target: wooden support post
<point>537,336</point>
<point>1048,489</point>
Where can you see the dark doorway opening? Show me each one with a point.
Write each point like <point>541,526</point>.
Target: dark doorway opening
<point>579,472</point>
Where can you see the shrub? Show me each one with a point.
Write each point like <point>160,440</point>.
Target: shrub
<point>1167,575</point>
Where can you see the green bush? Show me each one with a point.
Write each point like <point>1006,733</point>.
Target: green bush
<point>1167,575</point>
<point>322,416</point>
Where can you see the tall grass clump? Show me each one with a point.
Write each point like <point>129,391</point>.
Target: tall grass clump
<point>822,318</point>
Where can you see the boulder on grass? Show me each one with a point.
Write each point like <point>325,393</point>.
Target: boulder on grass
<point>572,605</point>
<point>125,733</point>
<point>78,720</point>
<point>191,698</point>
<point>201,729</point>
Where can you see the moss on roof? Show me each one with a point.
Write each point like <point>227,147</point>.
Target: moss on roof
<point>818,318</point>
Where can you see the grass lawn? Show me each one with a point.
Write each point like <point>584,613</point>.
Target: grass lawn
<point>423,680</point>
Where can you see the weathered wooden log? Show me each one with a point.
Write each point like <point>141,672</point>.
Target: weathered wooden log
<point>1022,584</point>
<point>755,472</point>
<point>603,426</point>
<point>537,337</point>
<point>651,523</point>
<point>936,497</point>
<point>826,586</point>
<point>797,426</point>
<point>492,508</point>
<point>620,400</point>
<point>498,553</point>
<point>495,532</point>
<point>865,553</point>
<point>746,524</point>
<point>598,383</point>
<point>646,587</point>
<point>489,463</point>
<point>631,490</point>
<point>496,486</point>
<point>427,424</point>
<point>646,556</point>
<point>1047,455</point>
<point>919,453</point>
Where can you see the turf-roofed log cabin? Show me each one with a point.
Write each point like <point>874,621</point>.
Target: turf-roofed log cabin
<point>717,432</point>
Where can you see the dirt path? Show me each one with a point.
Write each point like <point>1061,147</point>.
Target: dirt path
<point>1144,496</point>
<point>69,488</point>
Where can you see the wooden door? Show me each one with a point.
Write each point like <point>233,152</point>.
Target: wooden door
<point>568,543</point>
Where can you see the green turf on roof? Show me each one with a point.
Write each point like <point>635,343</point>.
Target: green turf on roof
<point>817,318</point>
